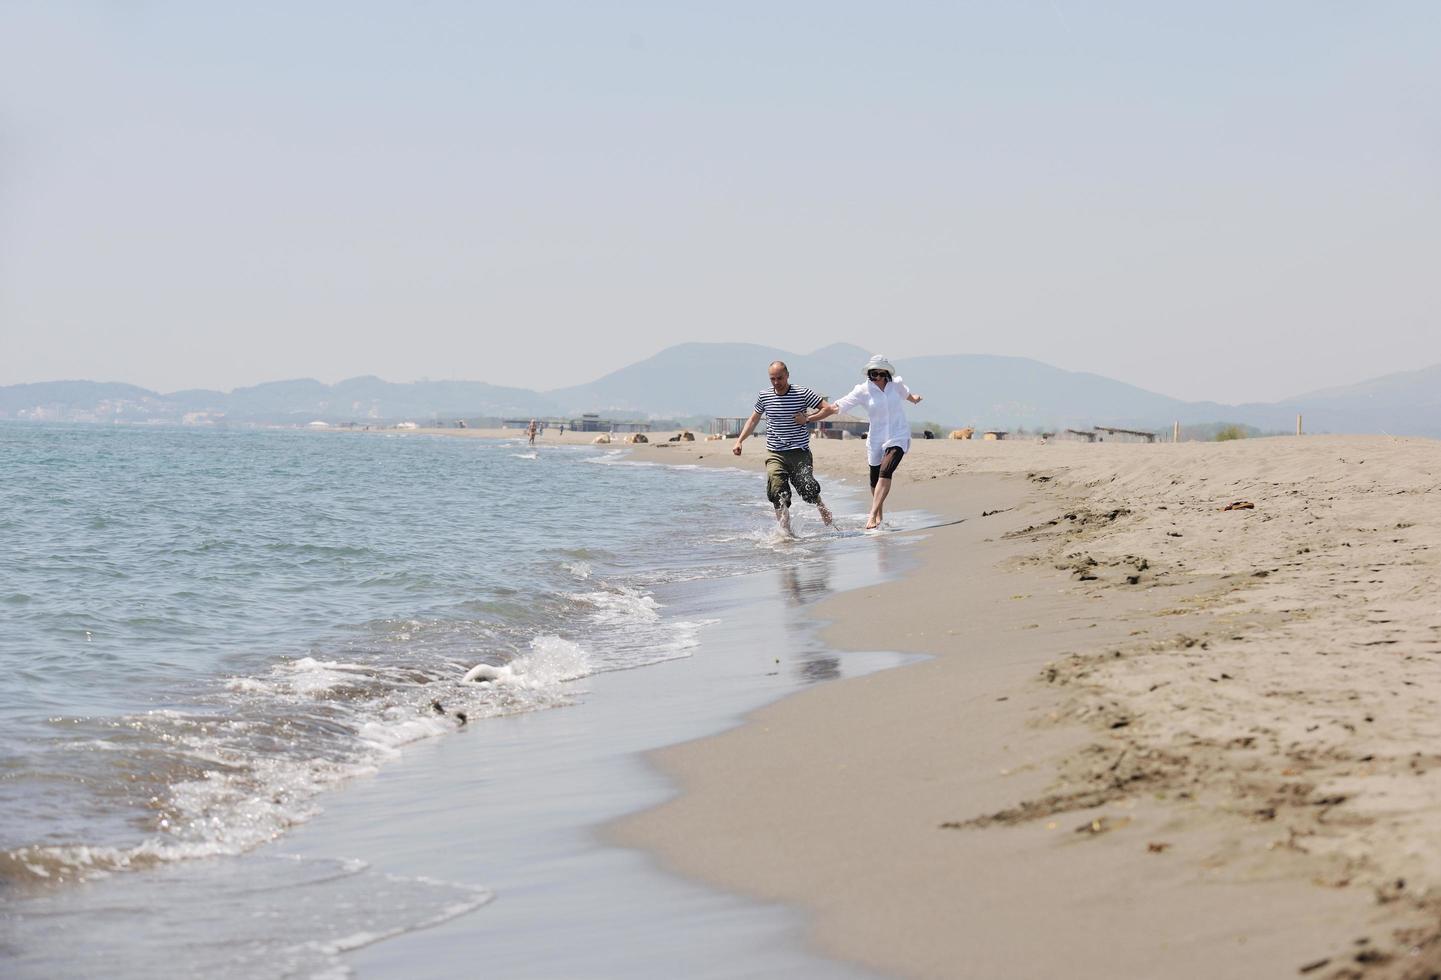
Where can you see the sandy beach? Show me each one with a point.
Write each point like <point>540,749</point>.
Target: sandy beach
<point>1103,711</point>
<point>1157,736</point>
<point>1176,719</point>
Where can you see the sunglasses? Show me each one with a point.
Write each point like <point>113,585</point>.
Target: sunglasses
<point>878,374</point>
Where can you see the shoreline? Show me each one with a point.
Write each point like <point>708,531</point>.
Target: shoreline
<point>1205,828</point>
<point>933,819</point>
<point>1167,710</point>
<point>517,804</point>
<point>502,810</point>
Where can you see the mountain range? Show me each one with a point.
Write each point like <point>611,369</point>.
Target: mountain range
<point>699,380</point>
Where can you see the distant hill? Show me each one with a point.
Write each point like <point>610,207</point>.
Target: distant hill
<point>698,380</point>
<point>1406,403</point>
<point>709,379</point>
<point>15,398</point>
<point>372,398</point>
<point>961,389</point>
<point>991,391</point>
<point>298,401</point>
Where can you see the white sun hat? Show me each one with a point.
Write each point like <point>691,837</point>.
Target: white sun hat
<point>878,362</point>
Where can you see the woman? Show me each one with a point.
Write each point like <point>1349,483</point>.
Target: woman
<point>883,396</point>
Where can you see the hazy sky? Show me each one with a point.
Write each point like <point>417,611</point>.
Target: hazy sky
<point>1230,201</point>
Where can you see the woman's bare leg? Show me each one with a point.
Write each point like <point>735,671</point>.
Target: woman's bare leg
<point>878,501</point>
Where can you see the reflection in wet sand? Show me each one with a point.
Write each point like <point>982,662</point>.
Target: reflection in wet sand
<point>819,668</point>
<point>804,584</point>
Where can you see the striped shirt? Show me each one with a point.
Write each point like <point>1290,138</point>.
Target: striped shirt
<point>782,433</point>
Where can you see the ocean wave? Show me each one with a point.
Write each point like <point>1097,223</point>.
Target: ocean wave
<point>638,634</point>
<point>224,783</point>
<point>185,921</point>
<point>552,661</point>
<point>385,582</point>
<point>612,457</point>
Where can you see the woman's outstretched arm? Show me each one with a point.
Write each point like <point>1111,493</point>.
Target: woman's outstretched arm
<point>845,403</point>
<point>824,411</point>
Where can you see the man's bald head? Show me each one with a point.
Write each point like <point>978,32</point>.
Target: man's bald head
<point>780,376</point>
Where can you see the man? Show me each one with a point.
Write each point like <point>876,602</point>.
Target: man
<point>788,444</point>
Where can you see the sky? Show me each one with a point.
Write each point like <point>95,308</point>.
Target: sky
<point>1227,201</point>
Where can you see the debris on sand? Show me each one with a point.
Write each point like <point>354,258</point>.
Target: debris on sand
<point>1102,825</point>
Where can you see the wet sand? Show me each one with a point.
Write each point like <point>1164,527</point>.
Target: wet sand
<point>1156,737</point>
<point>512,804</point>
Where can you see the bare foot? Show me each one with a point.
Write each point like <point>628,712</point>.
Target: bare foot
<point>872,524</point>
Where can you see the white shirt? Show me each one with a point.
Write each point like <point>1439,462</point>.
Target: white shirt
<point>886,409</point>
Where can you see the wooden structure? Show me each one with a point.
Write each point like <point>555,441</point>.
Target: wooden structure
<point>837,426</point>
<point>729,426</point>
<point>589,422</point>
<point>1105,433</point>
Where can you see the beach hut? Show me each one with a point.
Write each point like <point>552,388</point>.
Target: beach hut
<point>592,422</point>
<point>1105,433</point>
<point>837,426</point>
<point>994,435</point>
<point>729,426</point>
<point>1075,435</point>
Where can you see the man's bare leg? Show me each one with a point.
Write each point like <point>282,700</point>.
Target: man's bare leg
<point>825,513</point>
<point>783,518</point>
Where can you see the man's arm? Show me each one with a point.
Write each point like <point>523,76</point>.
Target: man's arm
<point>746,431</point>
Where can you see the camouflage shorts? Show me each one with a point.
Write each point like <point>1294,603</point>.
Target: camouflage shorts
<point>791,467</point>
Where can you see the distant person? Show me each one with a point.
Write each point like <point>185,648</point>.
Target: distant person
<point>884,397</point>
<point>788,444</point>
<point>530,431</point>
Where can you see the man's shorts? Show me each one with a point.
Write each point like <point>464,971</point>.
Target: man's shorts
<point>787,467</point>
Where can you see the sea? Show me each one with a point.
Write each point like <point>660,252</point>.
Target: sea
<point>210,637</point>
